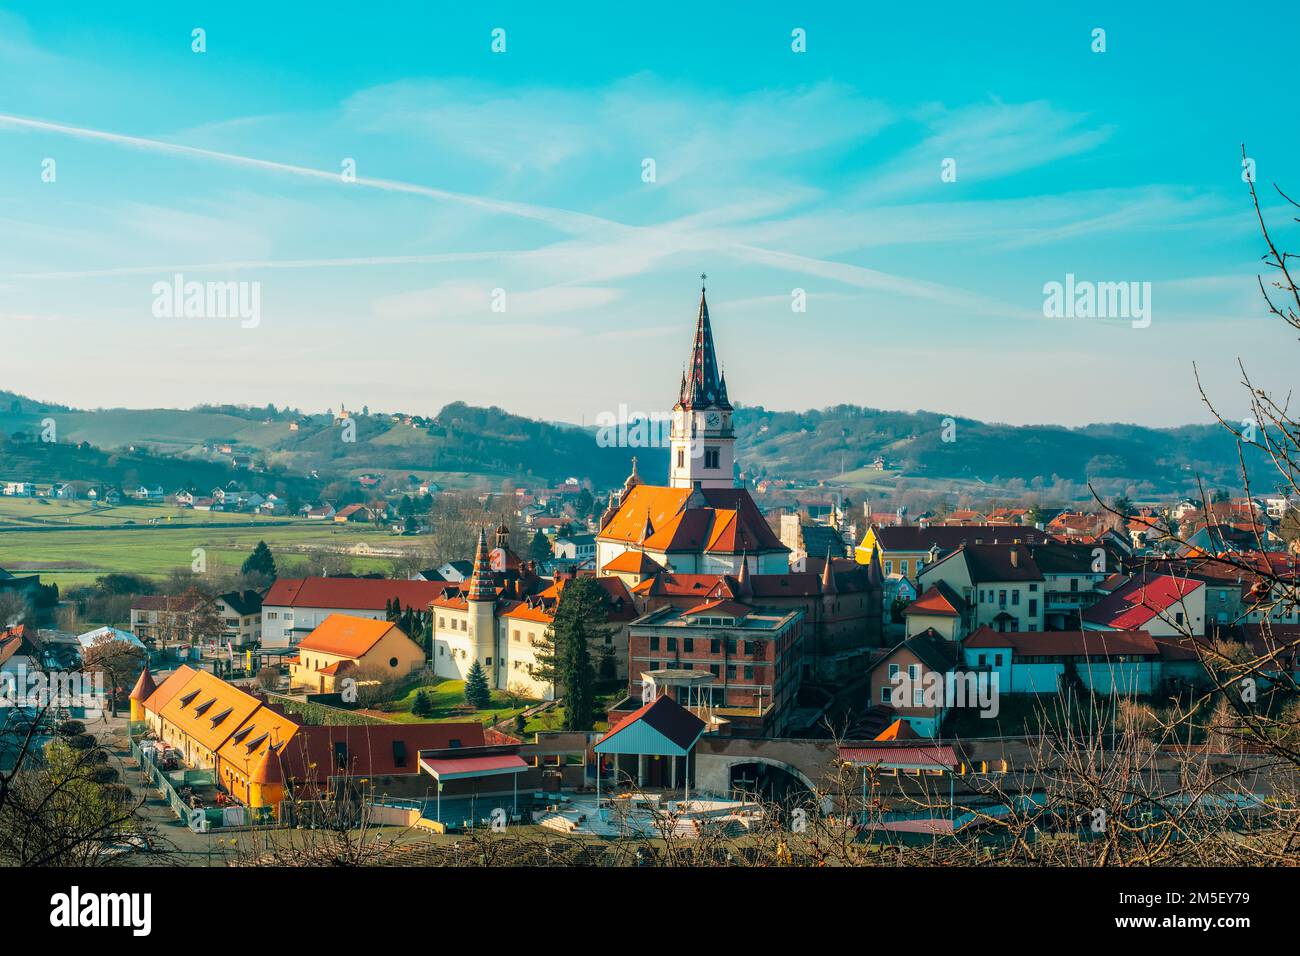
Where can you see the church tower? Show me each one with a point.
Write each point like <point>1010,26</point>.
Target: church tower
<point>703,444</point>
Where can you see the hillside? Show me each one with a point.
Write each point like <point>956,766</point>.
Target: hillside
<point>469,446</point>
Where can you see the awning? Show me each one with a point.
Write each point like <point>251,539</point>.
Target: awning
<point>901,758</point>
<point>461,768</point>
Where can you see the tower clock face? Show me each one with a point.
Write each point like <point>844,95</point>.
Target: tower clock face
<point>714,420</point>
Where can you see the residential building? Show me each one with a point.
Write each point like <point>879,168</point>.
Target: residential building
<point>360,648</point>
<point>294,607</point>
<point>241,613</point>
<point>744,662</point>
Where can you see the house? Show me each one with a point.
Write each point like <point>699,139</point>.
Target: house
<point>345,646</point>
<point>574,547</point>
<point>323,512</point>
<point>1002,583</point>
<point>65,491</point>
<point>1160,604</point>
<point>104,635</point>
<point>19,489</point>
<point>293,608</point>
<point>1037,662</point>
<point>939,609</point>
<point>241,613</point>
<point>899,678</point>
<point>353,513</point>
<point>905,549</point>
<point>161,618</point>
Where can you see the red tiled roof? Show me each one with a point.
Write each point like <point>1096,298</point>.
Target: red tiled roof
<point>936,756</point>
<point>721,608</point>
<point>938,600</point>
<point>1140,600</point>
<point>352,594</point>
<point>1066,643</point>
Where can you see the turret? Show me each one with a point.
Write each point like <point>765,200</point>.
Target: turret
<point>143,690</point>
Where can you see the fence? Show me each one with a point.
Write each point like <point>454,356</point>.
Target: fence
<point>165,782</point>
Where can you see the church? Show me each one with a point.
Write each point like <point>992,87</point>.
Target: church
<point>701,523</point>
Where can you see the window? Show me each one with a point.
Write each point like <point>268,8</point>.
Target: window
<point>749,673</point>
<point>715,646</point>
<point>399,753</point>
<point>889,567</point>
<point>711,458</point>
<point>688,645</point>
<point>681,458</point>
<point>918,697</point>
<point>902,566</point>
<point>893,671</point>
<point>487,661</point>
<point>884,695</point>
<point>514,636</point>
<point>1002,599</point>
<point>392,662</point>
<point>1033,607</point>
<point>654,642</point>
<point>672,643</point>
<point>914,672</point>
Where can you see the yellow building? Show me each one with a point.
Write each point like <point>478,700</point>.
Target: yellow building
<point>344,645</point>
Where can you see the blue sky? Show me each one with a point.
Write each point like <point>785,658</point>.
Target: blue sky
<point>522,171</point>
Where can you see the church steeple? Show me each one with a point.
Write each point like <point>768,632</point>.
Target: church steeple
<point>703,442</point>
<point>704,385</point>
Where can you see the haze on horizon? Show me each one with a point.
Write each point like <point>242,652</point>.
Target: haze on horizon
<point>523,171</point>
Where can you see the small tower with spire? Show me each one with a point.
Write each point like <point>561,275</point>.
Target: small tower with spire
<point>481,598</point>
<point>143,690</point>
<point>702,440</point>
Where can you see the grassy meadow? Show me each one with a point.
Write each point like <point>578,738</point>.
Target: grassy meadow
<point>70,543</point>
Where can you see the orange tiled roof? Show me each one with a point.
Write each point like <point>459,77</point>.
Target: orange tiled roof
<point>209,710</point>
<point>692,519</point>
<point>634,562</point>
<point>346,636</point>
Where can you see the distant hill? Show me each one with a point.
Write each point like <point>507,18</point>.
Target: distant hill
<point>466,445</point>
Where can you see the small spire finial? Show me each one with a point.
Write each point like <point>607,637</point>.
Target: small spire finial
<point>703,278</point>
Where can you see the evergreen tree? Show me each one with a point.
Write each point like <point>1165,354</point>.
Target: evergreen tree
<point>564,655</point>
<point>261,561</point>
<point>539,549</point>
<point>421,706</point>
<point>477,693</point>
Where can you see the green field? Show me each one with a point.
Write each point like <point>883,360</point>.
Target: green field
<point>70,544</point>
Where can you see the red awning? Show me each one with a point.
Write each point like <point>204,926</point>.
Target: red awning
<point>456,768</point>
<point>901,758</point>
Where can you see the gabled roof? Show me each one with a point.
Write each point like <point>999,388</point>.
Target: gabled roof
<point>346,636</point>
<point>898,730</point>
<point>667,718</point>
<point>634,562</point>
<point>721,609</point>
<point>721,520</point>
<point>352,594</point>
<point>243,602</point>
<point>939,600</point>
<point>169,688</point>
<point>1141,600</point>
<point>930,649</point>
